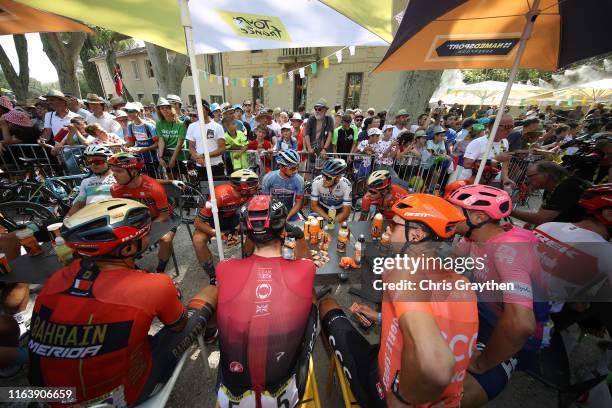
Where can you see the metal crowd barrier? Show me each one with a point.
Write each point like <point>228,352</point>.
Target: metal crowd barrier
<point>408,171</point>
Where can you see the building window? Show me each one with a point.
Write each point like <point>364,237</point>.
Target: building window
<point>213,63</point>
<point>256,51</point>
<point>149,66</point>
<point>155,98</point>
<point>192,100</point>
<point>258,92</point>
<point>352,91</point>
<point>135,70</point>
<point>300,85</point>
<point>188,72</point>
<point>215,99</point>
<point>140,96</point>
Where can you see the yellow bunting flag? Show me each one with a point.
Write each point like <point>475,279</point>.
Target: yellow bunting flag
<point>279,78</point>
<point>326,62</point>
<point>243,82</point>
<point>212,78</point>
<point>584,100</point>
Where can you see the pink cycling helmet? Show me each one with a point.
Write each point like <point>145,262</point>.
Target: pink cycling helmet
<point>494,202</point>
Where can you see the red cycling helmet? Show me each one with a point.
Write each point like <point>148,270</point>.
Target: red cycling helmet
<point>451,187</point>
<point>126,161</point>
<point>597,198</point>
<point>264,218</point>
<point>494,202</point>
<point>101,228</point>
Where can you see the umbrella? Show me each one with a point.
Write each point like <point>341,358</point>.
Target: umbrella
<point>206,26</point>
<point>542,34</point>
<point>594,91</point>
<point>492,91</point>
<point>18,18</point>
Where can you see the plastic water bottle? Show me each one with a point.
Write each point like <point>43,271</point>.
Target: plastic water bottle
<point>343,236</point>
<point>359,249</point>
<point>63,251</point>
<point>331,218</point>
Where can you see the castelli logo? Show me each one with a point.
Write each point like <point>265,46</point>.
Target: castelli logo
<point>380,390</point>
<point>236,367</point>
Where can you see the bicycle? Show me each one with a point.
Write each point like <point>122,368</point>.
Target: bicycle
<point>55,193</point>
<point>17,213</point>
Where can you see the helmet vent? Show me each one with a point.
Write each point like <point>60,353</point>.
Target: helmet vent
<point>504,206</point>
<point>114,207</point>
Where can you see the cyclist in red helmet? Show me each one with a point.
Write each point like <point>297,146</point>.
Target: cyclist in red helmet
<point>91,319</point>
<point>512,321</point>
<point>230,197</point>
<point>131,184</point>
<point>577,259</point>
<point>381,196</point>
<point>267,316</point>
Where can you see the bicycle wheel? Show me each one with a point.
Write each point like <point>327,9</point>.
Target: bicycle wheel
<point>193,200</point>
<point>18,213</point>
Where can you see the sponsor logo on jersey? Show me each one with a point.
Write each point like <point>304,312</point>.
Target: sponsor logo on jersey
<point>236,367</point>
<point>380,390</point>
<point>263,291</point>
<point>279,355</point>
<point>262,308</point>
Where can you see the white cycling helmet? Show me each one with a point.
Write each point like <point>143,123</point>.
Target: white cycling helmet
<point>289,158</point>
<point>97,150</point>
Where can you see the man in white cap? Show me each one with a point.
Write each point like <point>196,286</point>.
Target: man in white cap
<point>122,118</point>
<point>176,101</point>
<point>318,130</point>
<point>371,112</point>
<point>142,138</point>
<point>401,122</point>
<point>99,116</point>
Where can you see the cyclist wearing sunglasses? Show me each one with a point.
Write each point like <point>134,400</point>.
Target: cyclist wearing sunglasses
<point>382,194</point>
<point>332,190</point>
<point>230,197</point>
<point>97,186</point>
<point>285,184</point>
<point>427,336</point>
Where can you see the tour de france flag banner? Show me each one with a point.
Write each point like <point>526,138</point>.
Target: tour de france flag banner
<point>542,270</point>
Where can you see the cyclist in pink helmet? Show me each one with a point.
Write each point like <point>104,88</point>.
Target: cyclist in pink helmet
<point>511,321</point>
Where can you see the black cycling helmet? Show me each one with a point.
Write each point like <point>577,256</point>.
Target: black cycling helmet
<point>334,167</point>
<point>264,218</point>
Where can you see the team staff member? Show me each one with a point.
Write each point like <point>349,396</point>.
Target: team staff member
<point>382,194</point>
<point>511,323</point>
<point>267,316</point>
<point>126,168</point>
<point>91,319</point>
<point>285,184</point>
<point>427,337</point>
<point>97,186</point>
<point>332,190</point>
<point>230,197</point>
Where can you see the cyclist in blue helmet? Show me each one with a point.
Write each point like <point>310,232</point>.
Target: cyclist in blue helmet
<point>285,184</point>
<point>331,190</point>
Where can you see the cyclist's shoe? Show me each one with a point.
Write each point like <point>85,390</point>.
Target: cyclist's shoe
<point>210,335</point>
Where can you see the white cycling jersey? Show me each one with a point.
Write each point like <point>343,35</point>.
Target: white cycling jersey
<point>336,197</point>
<point>95,188</point>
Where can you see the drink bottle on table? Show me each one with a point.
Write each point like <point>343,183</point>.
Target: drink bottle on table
<point>26,238</point>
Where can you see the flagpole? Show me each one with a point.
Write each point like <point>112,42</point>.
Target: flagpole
<point>531,16</point>
<point>186,23</point>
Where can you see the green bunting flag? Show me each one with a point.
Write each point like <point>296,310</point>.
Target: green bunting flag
<point>313,67</point>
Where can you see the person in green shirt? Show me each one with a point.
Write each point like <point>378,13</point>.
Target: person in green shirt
<point>235,140</point>
<point>171,132</point>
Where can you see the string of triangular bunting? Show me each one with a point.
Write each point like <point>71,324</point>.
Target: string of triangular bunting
<point>278,78</point>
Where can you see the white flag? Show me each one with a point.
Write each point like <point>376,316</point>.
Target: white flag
<point>558,103</point>
<point>352,50</point>
<point>339,56</point>
<point>302,73</point>
<point>252,82</point>
<point>260,82</point>
<point>226,81</point>
<point>290,74</point>
<point>219,79</point>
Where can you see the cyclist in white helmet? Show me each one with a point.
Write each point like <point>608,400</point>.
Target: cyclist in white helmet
<point>97,186</point>
<point>332,190</point>
<point>285,184</point>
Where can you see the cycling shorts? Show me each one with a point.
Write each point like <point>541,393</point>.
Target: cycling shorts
<point>495,380</point>
<point>359,358</point>
<point>228,224</point>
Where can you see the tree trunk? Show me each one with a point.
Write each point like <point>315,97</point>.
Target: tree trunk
<point>169,69</point>
<point>64,57</point>
<point>18,82</point>
<point>89,68</point>
<point>413,91</point>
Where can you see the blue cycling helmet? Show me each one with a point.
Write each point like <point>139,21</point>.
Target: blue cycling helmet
<point>214,107</point>
<point>334,167</point>
<point>288,158</point>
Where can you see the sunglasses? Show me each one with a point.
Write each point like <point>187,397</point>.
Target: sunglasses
<point>246,104</point>
<point>96,162</point>
<point>329,178</point>
<point>373,192</point>
<point>290,168</point>
<point>319,109</point>
<point>131,111</point>
<point>358,118</point>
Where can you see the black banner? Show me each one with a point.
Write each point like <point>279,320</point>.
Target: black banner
<point>457,48</point>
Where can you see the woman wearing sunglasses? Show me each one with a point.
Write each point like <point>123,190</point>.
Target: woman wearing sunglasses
<point>97,186</point>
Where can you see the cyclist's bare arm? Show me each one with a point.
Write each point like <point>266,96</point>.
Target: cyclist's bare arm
<point>314,206</point>
<point>76,207</point>
<point>427,361</point>
<point>296,207</point>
